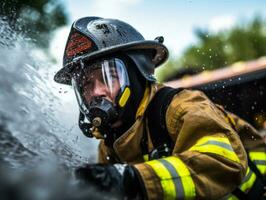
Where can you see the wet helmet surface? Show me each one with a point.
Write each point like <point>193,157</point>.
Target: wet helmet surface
<point>91,38</point>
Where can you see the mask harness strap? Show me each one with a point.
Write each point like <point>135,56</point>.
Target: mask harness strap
<point>156,111</point>
<point>85,127</point>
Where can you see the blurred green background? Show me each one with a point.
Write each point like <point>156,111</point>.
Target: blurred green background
<point>36,20</point>
<point>244,41</point>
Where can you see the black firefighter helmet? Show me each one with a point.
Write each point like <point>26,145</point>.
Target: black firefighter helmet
<point>94,37</point>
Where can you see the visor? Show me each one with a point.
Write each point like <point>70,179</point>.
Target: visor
<point>105,79</point>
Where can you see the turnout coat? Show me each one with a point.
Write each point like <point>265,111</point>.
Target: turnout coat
<point>210,153</point>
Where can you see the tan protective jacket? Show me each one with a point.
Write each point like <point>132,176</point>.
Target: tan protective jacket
<point>208,160</point>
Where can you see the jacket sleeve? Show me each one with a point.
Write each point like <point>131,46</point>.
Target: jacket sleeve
<point>249,136</point>
<point>253,142</point>
<point>208,160</point>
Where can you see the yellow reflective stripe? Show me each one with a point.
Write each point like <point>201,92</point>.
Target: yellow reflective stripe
<point>262,169</point>
<point>146,157</point>
<point>257,155</point>
<point>216,145</point>
<point>166,179</point>
<point>177,183</point>
<point>259,158</point>
<point>232,197</point>
<point>186,179</point>
<point>249,180</point>
<point>246,185</point>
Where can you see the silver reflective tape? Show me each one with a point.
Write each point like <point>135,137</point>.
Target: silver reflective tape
<point>247,177</point>
<point>260,162</point>
<point>176,179</point>
<point>221,144</point>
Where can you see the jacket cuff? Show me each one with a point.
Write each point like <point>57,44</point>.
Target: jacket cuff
<point>150,182</point>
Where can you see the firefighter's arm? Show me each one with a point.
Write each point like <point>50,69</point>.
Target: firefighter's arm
<point>252,140</point>
<point>208,159</point>
<point>250,137</point>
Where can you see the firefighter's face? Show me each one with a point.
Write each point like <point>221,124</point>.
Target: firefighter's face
<point>106,79</point>
<point>94,85</point>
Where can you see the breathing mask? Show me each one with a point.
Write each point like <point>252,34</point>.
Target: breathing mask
<point>102,91</point>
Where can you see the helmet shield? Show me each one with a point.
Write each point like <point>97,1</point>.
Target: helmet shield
<point>106,79</point>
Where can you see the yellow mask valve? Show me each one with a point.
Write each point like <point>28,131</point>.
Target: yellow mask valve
<point>124,97</point>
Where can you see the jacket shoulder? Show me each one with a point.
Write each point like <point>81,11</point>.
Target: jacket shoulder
<point>193,102</point>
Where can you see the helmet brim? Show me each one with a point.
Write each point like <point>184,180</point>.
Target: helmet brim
<point>63,76</point>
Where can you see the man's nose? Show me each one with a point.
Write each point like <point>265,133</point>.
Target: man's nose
<point>100,89</point>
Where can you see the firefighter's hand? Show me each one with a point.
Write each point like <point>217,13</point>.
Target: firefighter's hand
<point>118,179</point>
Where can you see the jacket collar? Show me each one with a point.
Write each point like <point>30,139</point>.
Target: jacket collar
<point>128,146</point>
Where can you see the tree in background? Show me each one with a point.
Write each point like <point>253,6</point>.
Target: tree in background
<point>36,19</point>
<point>215,50</point>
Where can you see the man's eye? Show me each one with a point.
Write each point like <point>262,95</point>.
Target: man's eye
<point>114,76</point>
<point>87,83</point>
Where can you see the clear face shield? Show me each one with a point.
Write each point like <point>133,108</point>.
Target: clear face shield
<point>101,88</point>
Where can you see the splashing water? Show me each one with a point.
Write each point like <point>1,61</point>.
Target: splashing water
<point>29,104</point>
<point>36,129</point>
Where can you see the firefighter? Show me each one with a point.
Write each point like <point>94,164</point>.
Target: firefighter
<point>152,145</point>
